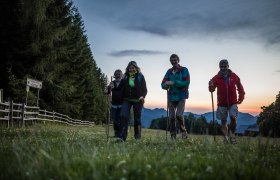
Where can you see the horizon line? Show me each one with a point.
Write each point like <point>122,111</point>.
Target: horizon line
<point>201,113</point>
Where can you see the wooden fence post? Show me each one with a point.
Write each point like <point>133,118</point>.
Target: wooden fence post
<point>22,114</point>
<point>45,116</point>
<point>32,113</point>
<point>11,112</point>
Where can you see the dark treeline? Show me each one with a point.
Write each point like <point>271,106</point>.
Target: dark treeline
<point>45,40</point>
<point>269,119</point>
<point>194,125</point>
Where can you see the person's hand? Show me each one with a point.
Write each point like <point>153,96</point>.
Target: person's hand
<point>142,99</point>
<point>211,86</point>
<point>239,101</point>
<point>169,83</point>
<point>111,85</point>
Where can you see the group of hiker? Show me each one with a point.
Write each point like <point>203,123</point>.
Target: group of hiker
<point>129,91</point>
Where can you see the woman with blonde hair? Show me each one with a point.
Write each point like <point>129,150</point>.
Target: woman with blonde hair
<point>134,91</point>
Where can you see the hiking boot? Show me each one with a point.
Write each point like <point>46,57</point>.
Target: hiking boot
<point>184,135</point>
<point>226,141</point>
<point>137,136</point>
<point>137,131</point>
<point>233,140</point>
<point>173,137</point>
<point>119,140</point>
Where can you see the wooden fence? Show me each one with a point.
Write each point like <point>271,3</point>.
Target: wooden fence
<point>20,114</point>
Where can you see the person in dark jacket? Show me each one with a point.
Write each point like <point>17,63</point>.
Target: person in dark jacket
<point>227,82</point>
<point>134,91</point>
<point>116,103</point>
<point>176,81</point>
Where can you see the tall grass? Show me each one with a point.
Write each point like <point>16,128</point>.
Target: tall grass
<point>61,152</point>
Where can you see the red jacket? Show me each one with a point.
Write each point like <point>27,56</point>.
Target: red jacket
<point>226,94</point>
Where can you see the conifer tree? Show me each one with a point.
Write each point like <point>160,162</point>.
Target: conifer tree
<point>269,119</point>
<point>46,40</point>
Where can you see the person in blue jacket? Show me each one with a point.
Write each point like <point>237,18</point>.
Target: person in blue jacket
<point>176,81</point>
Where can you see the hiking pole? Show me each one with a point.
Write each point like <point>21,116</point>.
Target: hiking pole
<point>109,113</point>
<point>213,116</point>
<point>107,123</point>
<point>167,115</point>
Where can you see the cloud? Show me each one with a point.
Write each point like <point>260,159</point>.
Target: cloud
<point>278,71</point>
<point>251,19</point>
<point>134,53</point>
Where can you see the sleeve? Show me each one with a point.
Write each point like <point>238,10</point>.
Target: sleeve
<point>108,90</point>
<point>144,87</point>
<point>240,89</point>
<point>185,79</point>
<point>212,87</point>
<point>166,78</point>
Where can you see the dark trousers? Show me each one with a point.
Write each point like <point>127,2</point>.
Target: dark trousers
<point>125,117</point>
<point>116,118</point>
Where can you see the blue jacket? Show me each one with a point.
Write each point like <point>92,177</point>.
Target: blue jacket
<point>181,79</point>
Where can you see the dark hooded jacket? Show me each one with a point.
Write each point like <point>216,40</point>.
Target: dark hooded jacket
<point>116,94</point>
<point>140,88</point>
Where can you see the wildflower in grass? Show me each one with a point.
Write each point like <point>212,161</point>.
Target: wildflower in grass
<point>120,163</point>
<point>209,169</point>
<point>148,166</point>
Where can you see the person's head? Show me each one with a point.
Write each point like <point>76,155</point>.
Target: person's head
<point>223,64</point>
<point>118,74</point>
<point>174,60</point>
<point>132,67</point>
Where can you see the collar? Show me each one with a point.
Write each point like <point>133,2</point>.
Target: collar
<point>221,76</point>
<point>179,69</point>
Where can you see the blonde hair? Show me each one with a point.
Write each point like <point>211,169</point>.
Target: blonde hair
<point>133,63</point>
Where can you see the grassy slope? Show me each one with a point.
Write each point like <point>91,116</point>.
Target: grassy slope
<point>62,152</point>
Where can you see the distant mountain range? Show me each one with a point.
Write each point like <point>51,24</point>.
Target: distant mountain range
<point>149,114</point>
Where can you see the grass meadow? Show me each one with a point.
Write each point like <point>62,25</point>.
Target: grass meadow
<point>53,151</point>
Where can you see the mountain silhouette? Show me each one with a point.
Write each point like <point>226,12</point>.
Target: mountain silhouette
<point>149,114</point>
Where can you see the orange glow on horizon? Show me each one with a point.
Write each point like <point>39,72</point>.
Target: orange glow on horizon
<point>254,112</point>
<point>201,109</point>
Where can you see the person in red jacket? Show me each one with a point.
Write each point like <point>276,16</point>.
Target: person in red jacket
<point>227,82</point>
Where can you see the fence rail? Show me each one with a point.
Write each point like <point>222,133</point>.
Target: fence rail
<point>20,113</point>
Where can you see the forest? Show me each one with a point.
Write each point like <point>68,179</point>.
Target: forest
<point>46,40</point>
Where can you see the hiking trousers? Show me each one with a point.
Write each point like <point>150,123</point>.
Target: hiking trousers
<point>115,117</point>
<point>176,111</point>
<point>125,118</point>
